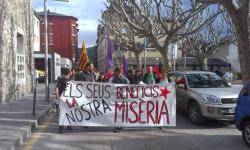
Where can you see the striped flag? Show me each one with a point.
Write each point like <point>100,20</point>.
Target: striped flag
<point>84,57</point>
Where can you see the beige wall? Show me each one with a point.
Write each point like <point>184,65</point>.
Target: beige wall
<point>229,54</point>
<point>17,39</point>
<point>222,53</point>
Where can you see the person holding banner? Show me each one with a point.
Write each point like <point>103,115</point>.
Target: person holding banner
<point>137,76</point>
<point>163,76</point>
<point>150,76</point>
<point>60,87</point>
<point>118,78</point>
<point>131,77</point>
<point>88,74</point>
<point>101,77</point>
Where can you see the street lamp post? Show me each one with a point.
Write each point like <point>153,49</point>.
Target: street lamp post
<point>46,51</point>
<point>145,49</point>
<point>185,60</point>
<point>46,47</point>
<point>174,53</point>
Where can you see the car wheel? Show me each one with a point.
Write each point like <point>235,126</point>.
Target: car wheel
<point>194,113</point>
<point>246,133</point>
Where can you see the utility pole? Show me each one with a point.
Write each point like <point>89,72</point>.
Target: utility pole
<point>46,51</point>
<point>185,60</point>
<point>174,53</point>
<point>145,49</point>
<point>46,47</point>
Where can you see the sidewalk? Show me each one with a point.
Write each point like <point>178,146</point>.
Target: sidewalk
<point>17,121</point>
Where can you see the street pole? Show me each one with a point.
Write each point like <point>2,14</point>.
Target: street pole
<point>46,51</point>
<point>174,52</point>
<point>145,49</point>
<point>173,55</point>
<point>30,48</point>
<point>46,48</point>
<point>185,60</point>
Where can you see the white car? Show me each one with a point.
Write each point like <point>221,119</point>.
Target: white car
<point>205,95</point>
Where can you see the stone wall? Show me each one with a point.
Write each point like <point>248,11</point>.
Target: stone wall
<point>16,50</point>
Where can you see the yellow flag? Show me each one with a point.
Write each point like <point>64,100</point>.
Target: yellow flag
<point>84,57</point>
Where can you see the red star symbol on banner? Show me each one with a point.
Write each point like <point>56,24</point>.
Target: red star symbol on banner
<point>164,92</point>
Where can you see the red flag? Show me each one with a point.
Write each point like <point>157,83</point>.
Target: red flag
<point>156,70</point>
<point>109,74</point>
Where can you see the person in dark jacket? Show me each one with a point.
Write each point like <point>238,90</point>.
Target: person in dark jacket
<point>219,72</point>
<point>101,77</point>
<point>88,74</point>
<point>60,87</point>
<point>137,76</point>
<point>130,76</point>
<point>118,78</point>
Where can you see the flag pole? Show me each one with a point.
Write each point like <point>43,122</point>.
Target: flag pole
<point>116,58</point>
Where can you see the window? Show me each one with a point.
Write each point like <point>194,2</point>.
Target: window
<point>73,30</point>
<point>124,30</point>
<point>42,39</point>
<point>129,54</point>
<point>20,60</point>
<point>51,40</point>
<point>50,28</point>
<point>205,80</point>
<point>73,40</point>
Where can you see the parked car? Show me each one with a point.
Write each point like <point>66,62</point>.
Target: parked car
<point>242,114</point>
<point>41,78</point>
<point>204,95</point>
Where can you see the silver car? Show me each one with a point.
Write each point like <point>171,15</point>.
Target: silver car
<point>205,95</point>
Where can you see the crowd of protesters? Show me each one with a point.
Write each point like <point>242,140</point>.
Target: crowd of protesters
<point>135,76</point>
<point>90,74</point>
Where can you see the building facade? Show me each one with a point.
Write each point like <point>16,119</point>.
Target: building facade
<point>62,35</point>
<point>16,49</point>
<point>229,54</point>
<point>36,20</point>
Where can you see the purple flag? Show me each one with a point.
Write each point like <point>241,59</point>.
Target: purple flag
<point>110,50</point>
<point>124,65</point>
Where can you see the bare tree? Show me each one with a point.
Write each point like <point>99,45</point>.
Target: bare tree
<point>163,21</point>
<point>208,40</point>
<point>122,34</point>
<point>239,13</point>
<point>2,18</point>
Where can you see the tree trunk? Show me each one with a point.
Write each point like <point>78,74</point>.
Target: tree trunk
<point>167,62</point>
<point>242,26</point>
<point>202,62</point>
<point>241,21</point>
<point>137,57</point>
<point>244,52</point>
<point>2,20</point>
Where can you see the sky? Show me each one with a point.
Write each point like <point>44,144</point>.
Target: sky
<point>87,11</point>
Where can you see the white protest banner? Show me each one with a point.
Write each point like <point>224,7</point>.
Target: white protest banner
<point>118,105</point>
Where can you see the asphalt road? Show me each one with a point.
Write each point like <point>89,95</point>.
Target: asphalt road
<point>185,136</point>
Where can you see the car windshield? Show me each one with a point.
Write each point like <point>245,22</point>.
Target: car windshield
<point>206,81</point>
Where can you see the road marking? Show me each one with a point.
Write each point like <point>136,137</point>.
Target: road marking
<point>34,137</point>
